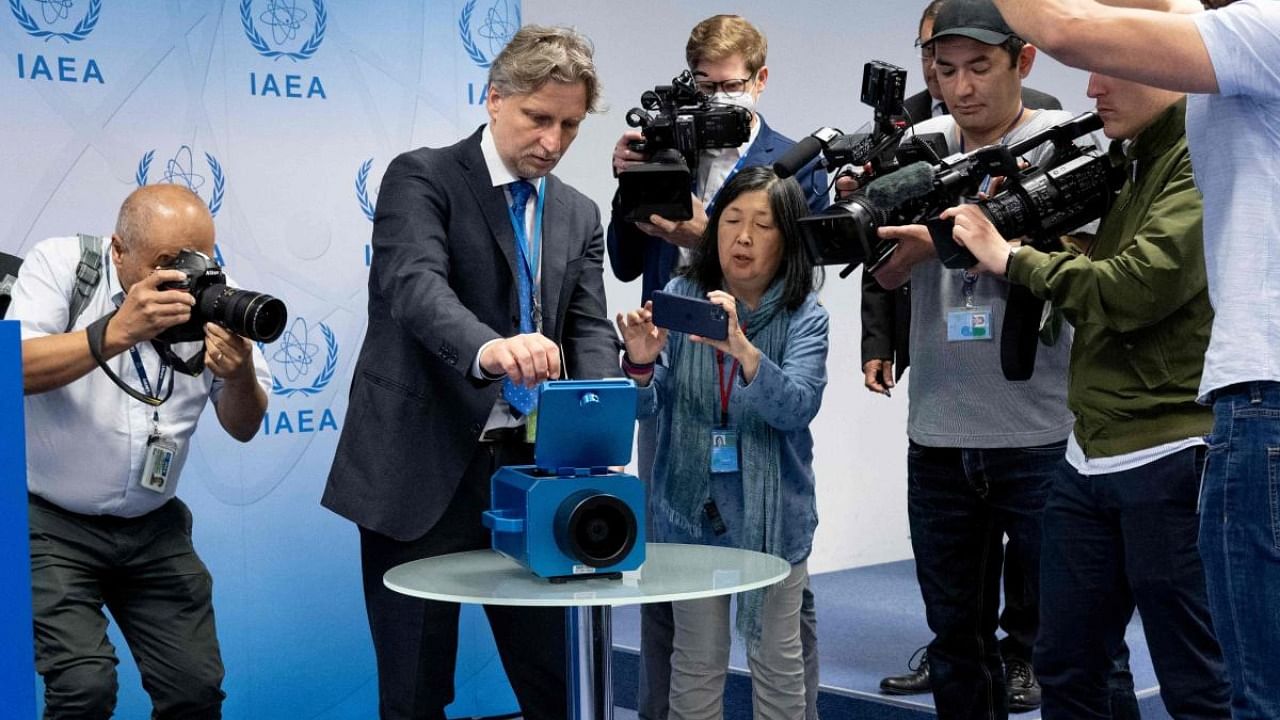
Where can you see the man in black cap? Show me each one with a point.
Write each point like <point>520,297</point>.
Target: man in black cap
<point>886,318</point>
<point>983,450</point>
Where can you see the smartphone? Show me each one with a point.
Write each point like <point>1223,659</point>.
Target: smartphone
<point>694,316</point>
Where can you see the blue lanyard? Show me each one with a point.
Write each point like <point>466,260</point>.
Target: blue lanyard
<point>152,398</point>
<point>711,204</point>
<point>530,257</point>
<point>142,372</point>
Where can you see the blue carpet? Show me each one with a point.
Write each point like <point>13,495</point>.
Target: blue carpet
<point>870,620</point>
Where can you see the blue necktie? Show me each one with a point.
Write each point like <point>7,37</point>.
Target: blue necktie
<point>518,396</point>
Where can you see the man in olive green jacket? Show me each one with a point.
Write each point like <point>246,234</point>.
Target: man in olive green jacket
<point>1120,526</point>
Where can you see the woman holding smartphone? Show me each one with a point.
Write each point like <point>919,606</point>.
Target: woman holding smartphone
<point>734,458</point>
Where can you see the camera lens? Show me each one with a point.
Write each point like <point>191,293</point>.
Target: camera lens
<point>596,529</point>
<point>845,233</point>
<point>254,315</point>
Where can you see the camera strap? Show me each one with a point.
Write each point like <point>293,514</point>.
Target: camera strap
<point>97,331</point>
<point>1020,334</point>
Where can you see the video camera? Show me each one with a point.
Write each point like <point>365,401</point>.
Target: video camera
<point>883,88</point>
<point>678,122</point>
<point>1071,187</point>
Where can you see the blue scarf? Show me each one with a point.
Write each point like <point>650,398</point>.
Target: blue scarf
<point>696,410</point>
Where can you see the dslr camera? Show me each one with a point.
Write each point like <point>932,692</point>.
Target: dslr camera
<point>254,315</point>
<point>678,122</point>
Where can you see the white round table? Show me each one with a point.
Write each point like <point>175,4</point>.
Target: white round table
<point>670,573</point>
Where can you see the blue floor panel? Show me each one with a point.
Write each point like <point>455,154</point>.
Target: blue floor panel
<point>870,620</point>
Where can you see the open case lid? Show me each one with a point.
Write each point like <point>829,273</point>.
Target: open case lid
<point>584,424</point>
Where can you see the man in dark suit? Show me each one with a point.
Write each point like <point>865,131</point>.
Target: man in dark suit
<point>726,55</point>
<point>886,321</point>
<point>486,272</point>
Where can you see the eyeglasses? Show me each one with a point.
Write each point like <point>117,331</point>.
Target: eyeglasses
<point>734,87</point>
<point>925,48</point>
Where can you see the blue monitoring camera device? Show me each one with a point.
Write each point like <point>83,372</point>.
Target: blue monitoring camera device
<point>568,516</point>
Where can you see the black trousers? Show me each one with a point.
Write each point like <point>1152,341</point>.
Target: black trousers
<point>961,503</point>
<point>416,641</point>
<point>146,572</point>
<point>1112,542</point>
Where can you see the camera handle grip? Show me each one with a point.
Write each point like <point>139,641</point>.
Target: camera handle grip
<point>949,251</point>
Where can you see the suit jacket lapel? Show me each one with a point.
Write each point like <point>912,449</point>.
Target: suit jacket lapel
<point>555,253</point>
<point>492,200</point>
<point>763,149</point>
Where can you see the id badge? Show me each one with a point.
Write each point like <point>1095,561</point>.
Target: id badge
<point>724,450</point>
<point>157,463</point>
<point>969,323</point>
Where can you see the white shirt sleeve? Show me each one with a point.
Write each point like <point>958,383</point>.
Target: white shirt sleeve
<point>41,295</point>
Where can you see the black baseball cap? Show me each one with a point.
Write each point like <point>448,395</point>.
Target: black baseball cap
<point>976,19</point>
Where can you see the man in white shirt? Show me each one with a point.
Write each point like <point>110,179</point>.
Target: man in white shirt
<point>103,465</point>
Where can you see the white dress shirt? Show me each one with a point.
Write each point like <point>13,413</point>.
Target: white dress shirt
<point>86,440</point>
<point>500,416</point>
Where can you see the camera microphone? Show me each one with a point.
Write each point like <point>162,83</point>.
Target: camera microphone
<point>912,182</point>
<point>797,156</point>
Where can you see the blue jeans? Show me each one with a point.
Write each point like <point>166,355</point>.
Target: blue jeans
<point>1240,542</point>
<point>961,504</point>
<point>1112,541</point>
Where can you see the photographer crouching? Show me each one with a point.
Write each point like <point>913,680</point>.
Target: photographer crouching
<point>1120,525</point>
<point>105,450</point>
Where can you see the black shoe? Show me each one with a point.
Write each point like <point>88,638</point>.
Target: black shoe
<point>917,681</point>
<point>1023,687</point>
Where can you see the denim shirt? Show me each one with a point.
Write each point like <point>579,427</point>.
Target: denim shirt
<point>788,398</point>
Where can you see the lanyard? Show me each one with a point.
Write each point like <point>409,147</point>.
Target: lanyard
<point>726,388</point>
<point>970,280</point>
<point>711,204</point>
<point>530,253</point>
<point>151,398</point>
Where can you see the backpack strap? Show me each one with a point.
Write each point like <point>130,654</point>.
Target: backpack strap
<point>88,273</point>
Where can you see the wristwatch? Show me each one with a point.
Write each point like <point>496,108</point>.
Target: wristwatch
<point>1008,263</point>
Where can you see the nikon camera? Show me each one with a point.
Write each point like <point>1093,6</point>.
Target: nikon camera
<point>254,315</point>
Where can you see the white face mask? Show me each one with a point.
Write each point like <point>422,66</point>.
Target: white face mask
<point>746,100</point>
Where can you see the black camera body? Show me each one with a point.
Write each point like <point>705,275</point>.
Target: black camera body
<point>1071,187</point>
<point>678,122</point>
<point>254,315</point>
<point>883,89</point>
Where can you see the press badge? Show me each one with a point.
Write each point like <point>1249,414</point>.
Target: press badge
<point>969,323</point>
<point>724,450</point>
<point>157,463</point>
